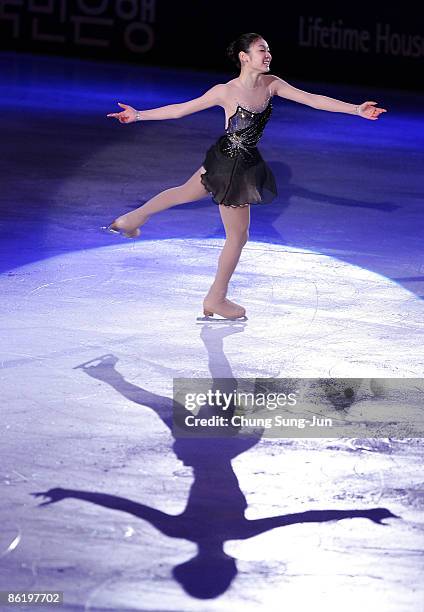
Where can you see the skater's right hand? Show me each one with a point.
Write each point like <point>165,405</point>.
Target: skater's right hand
<point>53,495</point>
<point>126,116</point>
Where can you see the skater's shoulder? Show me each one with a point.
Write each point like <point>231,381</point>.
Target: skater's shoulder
<point>271,81</point>
<point>230,85</point>
<point>222,91</point>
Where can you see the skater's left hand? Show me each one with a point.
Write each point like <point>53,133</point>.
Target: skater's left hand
<point>367,110</point>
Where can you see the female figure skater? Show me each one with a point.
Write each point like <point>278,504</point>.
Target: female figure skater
<point>233,172</point>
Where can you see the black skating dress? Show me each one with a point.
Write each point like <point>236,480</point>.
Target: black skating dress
<point>236,174</point>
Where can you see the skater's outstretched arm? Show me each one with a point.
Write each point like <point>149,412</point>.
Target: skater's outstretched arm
<point>254,527</point>
<point>213,97</point>
<point>367,110</point>
<point>161,520</point>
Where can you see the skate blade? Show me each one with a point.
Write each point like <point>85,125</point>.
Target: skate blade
<point>218,319</point>
<point>109,230</point>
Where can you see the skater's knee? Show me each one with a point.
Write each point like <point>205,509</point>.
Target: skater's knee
<point>239,238</point>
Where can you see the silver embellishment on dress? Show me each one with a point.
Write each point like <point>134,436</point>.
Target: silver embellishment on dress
<point>254,111</point>
<point>236,141</point>
<point>245,133</point>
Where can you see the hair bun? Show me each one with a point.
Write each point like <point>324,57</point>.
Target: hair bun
<point>242,43</point>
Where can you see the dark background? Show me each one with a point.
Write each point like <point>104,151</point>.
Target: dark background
<point>195,34</point>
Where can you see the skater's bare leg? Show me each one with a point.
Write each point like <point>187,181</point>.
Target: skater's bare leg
<point>236,223</point>
<point>190,191</point>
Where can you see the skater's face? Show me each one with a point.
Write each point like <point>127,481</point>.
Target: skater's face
<point>258,58</point>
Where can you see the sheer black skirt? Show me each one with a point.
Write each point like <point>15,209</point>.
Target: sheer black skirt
<point>239,180</point>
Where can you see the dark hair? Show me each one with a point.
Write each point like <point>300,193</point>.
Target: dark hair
<point>242,43</point>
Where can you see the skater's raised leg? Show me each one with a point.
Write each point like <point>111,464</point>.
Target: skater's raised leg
<point>190,191</point>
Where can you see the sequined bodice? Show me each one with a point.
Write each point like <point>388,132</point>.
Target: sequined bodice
<point>245,128</point>
<point>244,116</point>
